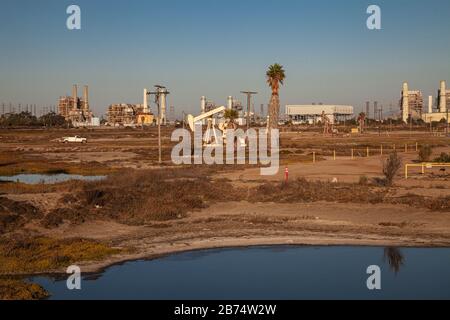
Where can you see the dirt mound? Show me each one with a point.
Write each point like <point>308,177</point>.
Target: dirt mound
<point>14,214</point>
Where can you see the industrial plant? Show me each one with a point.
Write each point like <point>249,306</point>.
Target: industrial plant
<point>411,103</point>
<point>76,110</point>
<point>442,106</point>
<point>312,114</point>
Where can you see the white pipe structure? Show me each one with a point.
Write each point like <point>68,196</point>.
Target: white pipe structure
<point>230,102</point>
<point>145,101</point>
<point>443,97</point>
<point>430,104</point>
<point>191,120</point>
<point>405,102</point>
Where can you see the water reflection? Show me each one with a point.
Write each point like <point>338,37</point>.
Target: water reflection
<point>394,258</point>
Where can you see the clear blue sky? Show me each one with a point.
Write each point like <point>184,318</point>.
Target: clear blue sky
<point>217,48</point>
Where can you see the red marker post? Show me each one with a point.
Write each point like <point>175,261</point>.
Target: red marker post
<point>286,175</point>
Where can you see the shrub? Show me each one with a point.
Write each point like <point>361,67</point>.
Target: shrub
<point>443,158</point>
<point>363,180</point>
<point>425,153</point>
<point>391,167</point>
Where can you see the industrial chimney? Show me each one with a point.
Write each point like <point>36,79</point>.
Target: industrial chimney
<point>405,102</point>
<point>430,104</point>
<point>145,110</point>
<point>443,97</point>
<point>86,98</point>
<point>230,102</point>
<point>203,104</point>
<point>75,96</point>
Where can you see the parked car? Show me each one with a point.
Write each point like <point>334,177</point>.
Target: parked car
<point>75,139</point>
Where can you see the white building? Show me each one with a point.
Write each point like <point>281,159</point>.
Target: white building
<point>311,114</point>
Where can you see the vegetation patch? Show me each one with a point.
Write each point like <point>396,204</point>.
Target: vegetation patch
<point>12,289</point>
<point>28,255</point>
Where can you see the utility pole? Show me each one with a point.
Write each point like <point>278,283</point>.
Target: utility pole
<point>3,108</point>
<point>249,103</point>
<point>159,90</point>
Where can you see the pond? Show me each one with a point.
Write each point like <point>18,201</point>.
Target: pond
<point>48,178</point>
<point>281,272</point>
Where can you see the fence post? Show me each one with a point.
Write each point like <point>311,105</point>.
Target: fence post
<point>334,155</point>
<point>417,146</point>
<point>314,157</point>
<point>353,156</point>
<point>381,149</point>
<point>406,147</point>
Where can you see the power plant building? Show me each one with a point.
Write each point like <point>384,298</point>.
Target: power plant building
<point>442,106</point>
<point>411,103</point>
<point>76,110</point>
<point>129,115</point>
<point>311,114</point>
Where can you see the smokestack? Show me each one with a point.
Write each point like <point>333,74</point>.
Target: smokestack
<point>145,101</point>
<point>86,98</point>
<point>405,102</point>
<point>443,97</point>
<point>163,105</point>
<point>75,95</point>
<point>203,104</point>
<point>230,102</point>
<point>430,104</point>
<point>368,109</point>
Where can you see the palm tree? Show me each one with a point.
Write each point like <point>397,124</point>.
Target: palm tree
<point>275,77</point>
<point>231,115</point>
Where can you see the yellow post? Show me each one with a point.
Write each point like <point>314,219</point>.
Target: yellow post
<point>381,149</point>
<point>406,172</point>
<point>314,157</point>
<point>395,147</point>
<point>417,146</point>
<point>334,155</point>
<point>423,168</point>
<point>368,152</point>
<point>353,156</point>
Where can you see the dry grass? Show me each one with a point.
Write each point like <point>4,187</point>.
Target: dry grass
<point>14,214</point>
<point>15,289</point>
<point>301,190</point>
<point>142,197</point>
<point>27,255</point>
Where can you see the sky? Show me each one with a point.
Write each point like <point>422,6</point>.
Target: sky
<point>218,48</point>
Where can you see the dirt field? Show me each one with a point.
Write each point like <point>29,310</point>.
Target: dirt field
<point>405,215</point>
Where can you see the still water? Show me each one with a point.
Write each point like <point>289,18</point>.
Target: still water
<point>284,272</point>
<point>48,179</point>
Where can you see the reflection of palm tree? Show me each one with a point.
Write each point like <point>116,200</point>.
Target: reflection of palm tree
<point>395,258</point>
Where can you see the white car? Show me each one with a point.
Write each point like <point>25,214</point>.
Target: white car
<point>75,139</point>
